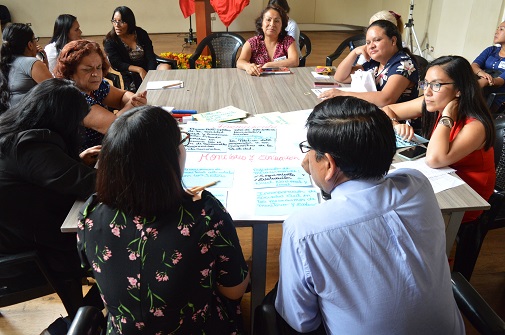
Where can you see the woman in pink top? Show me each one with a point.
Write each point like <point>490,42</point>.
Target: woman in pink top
<point>272,47</point>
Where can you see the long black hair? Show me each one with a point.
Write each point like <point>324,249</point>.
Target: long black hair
<point>127,17</point>
<point>471,103</point>
<point>143,179</point>
<point>54,104</point>
<point>62,27</point>
<point>16,37</point>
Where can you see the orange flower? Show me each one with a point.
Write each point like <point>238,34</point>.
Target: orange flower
<point>203,62</point>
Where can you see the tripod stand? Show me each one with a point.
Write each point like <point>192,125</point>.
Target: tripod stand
<point>411,32</point>
<point>190,39</point>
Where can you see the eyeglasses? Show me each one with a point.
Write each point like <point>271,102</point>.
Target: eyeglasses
<point>36,39</point>
<point>184,138</point>
<point>117,23</point>
<point>305,147</point>
<point>433,85</point>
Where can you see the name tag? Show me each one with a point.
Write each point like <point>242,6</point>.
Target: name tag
<point>280,58</point>
<point>502,65</point>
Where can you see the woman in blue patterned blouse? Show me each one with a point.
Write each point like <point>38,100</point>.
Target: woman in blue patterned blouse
<point>393,67</point>
<point>85,63</point>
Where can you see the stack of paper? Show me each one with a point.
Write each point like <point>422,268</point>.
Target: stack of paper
<point>229,113</point>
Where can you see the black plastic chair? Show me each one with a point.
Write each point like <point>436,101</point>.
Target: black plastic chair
<point>223,47</point>
<point>351,43</point>
<point>23,277</point>
<point>471,234</point>
<point>88,320</point>
<point>305,44</point>
<point>482,317</point>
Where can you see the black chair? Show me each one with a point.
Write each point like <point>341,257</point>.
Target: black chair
<point>351,43</point>
<point>474,307</point>
<point>496,109</point>
<point>88,320</point>
<point>131,81</point>
<point>471,234</point>
<point>304,43</point>
<point>223,47</point>
<point>422,64</point>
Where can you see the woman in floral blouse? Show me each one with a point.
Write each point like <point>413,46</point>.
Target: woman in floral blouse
<point>393,67</point>
<point>166,261</point>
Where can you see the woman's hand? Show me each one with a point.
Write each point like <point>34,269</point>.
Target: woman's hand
<point>253,69</point>
<point>451,109</point>
<point>361,50</point>
<point>90,155</point>
<point>142,73</point>
<point>334,92</point>
<point>404,130</point>
<point>486,76</point>
<point>139,99</point>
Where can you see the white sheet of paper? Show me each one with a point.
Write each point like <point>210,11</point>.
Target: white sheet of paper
<point>320,76</point>
<point>160,85</point>
<point>420,165</point>
<point>444,182</point>
<point>222,114</point>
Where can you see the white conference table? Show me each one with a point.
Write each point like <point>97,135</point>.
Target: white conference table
<point>207,90</point>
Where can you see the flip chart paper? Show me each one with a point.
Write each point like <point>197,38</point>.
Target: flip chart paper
<point>284,202</point>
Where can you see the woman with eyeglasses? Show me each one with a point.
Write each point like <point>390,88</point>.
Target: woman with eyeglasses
<point>84,63</point>
<point>457,122</point>
<point>66,29</point>
<point>20,70</point>
<point>129,47</point>
<point>394,68</point>
<point>166,260</point>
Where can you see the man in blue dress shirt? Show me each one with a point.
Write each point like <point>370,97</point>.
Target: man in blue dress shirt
<point>371,260</point>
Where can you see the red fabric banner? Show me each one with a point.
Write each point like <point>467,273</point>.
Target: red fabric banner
<point>228,10</point>
<point>187,7</point>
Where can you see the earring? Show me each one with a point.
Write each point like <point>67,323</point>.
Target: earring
<point>457,95</point>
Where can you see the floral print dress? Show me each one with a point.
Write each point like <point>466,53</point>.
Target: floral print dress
<point>159,275</point>
<point>259,53</point>
<point>400,64</point>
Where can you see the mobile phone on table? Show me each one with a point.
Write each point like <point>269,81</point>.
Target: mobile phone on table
<point>412,153</point>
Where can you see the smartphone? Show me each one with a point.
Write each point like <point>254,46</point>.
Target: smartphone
<point>322,84</point>
<point>413,153</point>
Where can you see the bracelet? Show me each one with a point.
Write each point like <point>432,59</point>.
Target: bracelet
<point>394,120</point>
<point>446,121</point>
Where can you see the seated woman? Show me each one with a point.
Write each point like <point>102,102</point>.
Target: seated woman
<point>84,62</point>
<point>41,176</point>
<point>129,47</point>
<point>292,27</point>
<point>66,29</point>
<point>165,260</point>
<point>489,67</point>
<point>20,70</point>
<point>457,122</point>
<point>272,46</point>
<point>393,67</point>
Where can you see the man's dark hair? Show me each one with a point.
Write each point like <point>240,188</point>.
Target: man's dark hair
<point>356,133</point>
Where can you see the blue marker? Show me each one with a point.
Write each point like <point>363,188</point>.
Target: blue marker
<point>184,111</point>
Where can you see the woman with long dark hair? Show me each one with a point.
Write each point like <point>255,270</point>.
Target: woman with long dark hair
<point>165,260</point>
<point>129,47</point>
<point>393,67</point>
<point>456,120</point>
<point>19,68</point>
<point>41,176</point>
<point>66,29</point>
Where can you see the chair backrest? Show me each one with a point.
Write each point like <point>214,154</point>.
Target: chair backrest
<point>223,47</point>
<point>305,44</point>
<point>350,42</point>
<point>499,153</point>
<point>422,64</point>
<point>22,277</point>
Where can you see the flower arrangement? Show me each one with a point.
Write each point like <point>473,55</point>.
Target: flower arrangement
<point>203,62</point>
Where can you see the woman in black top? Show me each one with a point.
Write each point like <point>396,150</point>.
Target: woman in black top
<point>129,47</point>
<point>41,176</point>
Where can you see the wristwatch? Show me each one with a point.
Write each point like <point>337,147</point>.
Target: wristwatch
<point>446,121</point>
